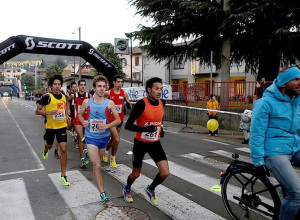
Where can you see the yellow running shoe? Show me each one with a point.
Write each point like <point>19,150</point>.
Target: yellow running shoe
<point>64,181</point>
<point>151,195</point>
<point>113,162</point>
<point>105,157</point>
<point>45,155</point>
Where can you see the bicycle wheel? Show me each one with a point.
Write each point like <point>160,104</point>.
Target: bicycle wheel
<point>246,196</point>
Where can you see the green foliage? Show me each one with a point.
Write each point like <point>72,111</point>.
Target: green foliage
<point>27,80</point>
<point>56,68</point>
<point>262,32</point>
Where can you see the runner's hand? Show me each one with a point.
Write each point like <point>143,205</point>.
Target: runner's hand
<point>85,124</point>
<point>53,112</point>
<point>151,128</point>
<point>162,133</point>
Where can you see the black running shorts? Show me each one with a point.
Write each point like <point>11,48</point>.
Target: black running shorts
<point>140,148</point>
<point>61,135</point>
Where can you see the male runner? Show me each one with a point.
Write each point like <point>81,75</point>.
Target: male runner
<point>38,96</point>
<point>117,95</point>
<point>71,128</point>
<point>148,114</point>
<point>97,128</point>
<point>78,98</point>
<point>54,105</point>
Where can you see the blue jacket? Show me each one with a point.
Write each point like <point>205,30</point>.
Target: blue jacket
<point>275,125</point>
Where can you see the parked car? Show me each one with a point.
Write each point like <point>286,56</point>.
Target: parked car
<point>5,94</point>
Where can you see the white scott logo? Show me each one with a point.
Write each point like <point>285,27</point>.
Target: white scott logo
<point>5,50</point>
<point>51,45</point>
<point>91,51</point>
<point>29,43</point>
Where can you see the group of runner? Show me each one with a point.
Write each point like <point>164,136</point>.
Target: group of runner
<point>97,117</point>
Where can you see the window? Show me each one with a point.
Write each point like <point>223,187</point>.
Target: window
<point>123,62</point>
<point>137,61</point>
<point>137,76</point>
<point>178,64</point>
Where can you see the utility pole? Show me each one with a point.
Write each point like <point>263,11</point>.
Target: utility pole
<point>74,60</point>
<point>79,29</point>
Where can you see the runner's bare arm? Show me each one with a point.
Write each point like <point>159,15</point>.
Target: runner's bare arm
<point>71,97</point>
<point>126,96</point>
<point>80,114</point>
<point>106,94</point>
<point>117,121</point>
<point>41,111</point>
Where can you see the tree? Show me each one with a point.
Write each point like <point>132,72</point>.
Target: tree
<point>261,32</point>
<point>107,50</point>
<point>56,68</point>
<point>28,80</point>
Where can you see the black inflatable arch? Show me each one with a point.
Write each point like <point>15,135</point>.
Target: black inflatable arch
<point>38,45</point>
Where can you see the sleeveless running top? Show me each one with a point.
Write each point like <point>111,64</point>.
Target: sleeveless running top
<point>58,120</point>
<point>78,103</point>
<point>118,101</point>
<point>98,115</point>
<point>152,115</point>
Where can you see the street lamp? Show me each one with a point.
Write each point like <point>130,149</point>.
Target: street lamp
<point>79,29</point>
<point>130,35</point>
<point>74,59</point>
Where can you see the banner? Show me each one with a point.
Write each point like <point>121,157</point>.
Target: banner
<point>137,93</point>
<point>38,45</point>
<point>121,46</point>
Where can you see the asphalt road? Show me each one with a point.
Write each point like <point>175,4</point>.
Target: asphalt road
<point>30,187</point>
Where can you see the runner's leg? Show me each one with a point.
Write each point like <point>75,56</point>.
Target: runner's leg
<point>79,131</point>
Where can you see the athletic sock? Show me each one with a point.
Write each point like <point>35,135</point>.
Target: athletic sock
<point>129,182</point>
<point>112,157</point>
<point>106,152</point>
<point>157,180</point>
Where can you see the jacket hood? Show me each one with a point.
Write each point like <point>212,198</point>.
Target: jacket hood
<point>273,91</point>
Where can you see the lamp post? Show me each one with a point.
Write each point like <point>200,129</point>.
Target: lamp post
<point>74,60</point>
<point>79,29</point>
<point>129,35</point>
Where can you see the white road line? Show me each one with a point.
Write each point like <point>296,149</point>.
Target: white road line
<point>14,201</point>
<point>170,202</point>
<point>39,163</point>
<point>81,196</point>
<point>215,141</point>
<point>126,141</point>
<point>173,132</point>
<point>229,155</point>
<point>210,162</point>
<point>244,149</point>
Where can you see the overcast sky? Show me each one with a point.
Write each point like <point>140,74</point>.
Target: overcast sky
<point>100,20</point>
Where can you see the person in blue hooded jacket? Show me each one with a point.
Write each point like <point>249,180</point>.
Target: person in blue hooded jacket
<point>274,137</point>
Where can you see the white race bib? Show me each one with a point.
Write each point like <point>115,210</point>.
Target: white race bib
<point>119,108</point>
<point>151,136</point>
<point>94,125</point>
<point>60,115</point>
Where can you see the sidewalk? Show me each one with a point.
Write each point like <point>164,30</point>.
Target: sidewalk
<point>228,136</point>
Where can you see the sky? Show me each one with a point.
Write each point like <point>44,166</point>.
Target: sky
<point>100,20</point>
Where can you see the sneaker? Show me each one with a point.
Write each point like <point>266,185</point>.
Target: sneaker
<point>151,195</point>
<point>83,164</point>
<point>56,154</point>
<point>71,133</point>
<point>64,181</point>
<point>45,155</point>
<point>127,195</point>
<point>105,157</point>
<point>104,198</point>
<point>86,158</point>
<point>83,140</point>
<point>113,162</point>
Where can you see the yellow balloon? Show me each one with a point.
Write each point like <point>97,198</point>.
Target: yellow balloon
<point>212,125</point>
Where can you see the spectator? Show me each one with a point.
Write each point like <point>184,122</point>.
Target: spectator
<point>261,87</point>
<point>213,104</point>
<point>245,125</point>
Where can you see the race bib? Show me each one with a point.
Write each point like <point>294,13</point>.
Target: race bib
<point>60,115</point>
<point>119,108</point>
<point>151,136</point>
<point>95,125</point>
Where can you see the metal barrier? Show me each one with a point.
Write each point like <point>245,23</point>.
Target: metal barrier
<point>175,113</point>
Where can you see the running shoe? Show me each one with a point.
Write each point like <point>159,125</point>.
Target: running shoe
<point>71,133</point>
<point>127,195</point>
<point>83,164</point>
<point>56,154</point>
<point>104,198</point>
<point>86,158</point>
<point>45,155</point>
<point>113,162</point>
<point>64,181</point>
<point>151,195</point>
<point>83,140</point>
<point>105,157</point>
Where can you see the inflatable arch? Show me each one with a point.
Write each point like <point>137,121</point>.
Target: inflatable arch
<point>38,45</point>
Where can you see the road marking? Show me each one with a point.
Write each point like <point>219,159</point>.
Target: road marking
<point>81,196</point>
<point>39,163</point>
<point>215,141</point>
<point>244,149</point>
<point>229,155</point>
<point>126,141</point>
<point>14,201</point>
<point>210,162</point>
<point>170,202</point>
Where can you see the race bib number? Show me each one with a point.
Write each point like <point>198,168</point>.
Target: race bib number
<point>151,136</point>
<point>95,125</point>
<point>60,115</point>
<point>119,108</point>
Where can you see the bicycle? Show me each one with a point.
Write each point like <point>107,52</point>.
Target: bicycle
<point>247,195</point>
